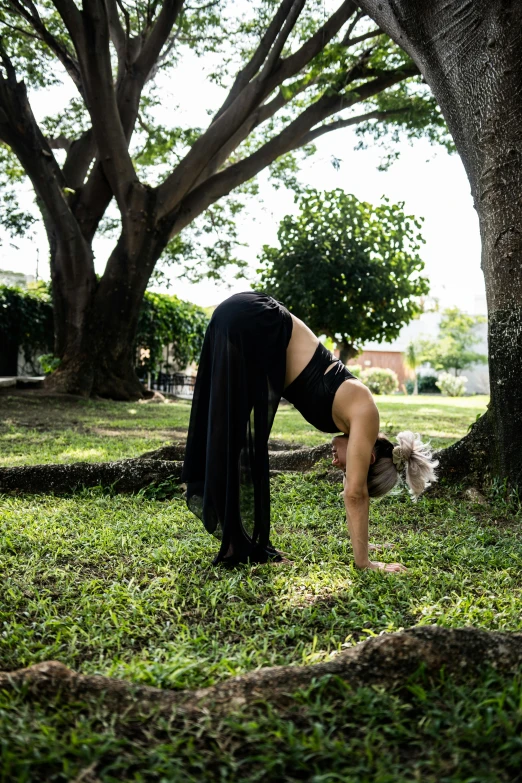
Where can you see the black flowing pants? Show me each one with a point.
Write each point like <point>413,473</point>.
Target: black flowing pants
<point>238,388</point>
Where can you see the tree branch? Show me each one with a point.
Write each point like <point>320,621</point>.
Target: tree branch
<point>79,158</point>
<point>158,37</point>
<point>289,139</point>
<point>169,45</point>
<point>20,131</point>
<point>21,31</point>
<point>71,16</point>
<point>95,65</point>
<point>293,64</point>
<point>282,37</point>
<point>60,143</point>
<point>384,14</point>
<point>119,36</point>
<point>358,16</point>
<point>338,124</point>
<point>188,172</point>
<point>256,61</point>
<point>360,38</point>
<point>28,11</point>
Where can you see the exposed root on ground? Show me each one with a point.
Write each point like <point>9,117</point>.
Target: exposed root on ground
<point>131,475</point>
<point>386,660</point>
<point>128,475</point>
<point>471,456</point>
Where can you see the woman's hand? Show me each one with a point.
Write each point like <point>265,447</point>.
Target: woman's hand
<point>375,565</point>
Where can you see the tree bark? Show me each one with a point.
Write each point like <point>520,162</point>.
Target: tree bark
<point>96,339</point>
<point>346,352</point>
<point>386,661</point>
<point>128,475</point>
<point>468,53</point>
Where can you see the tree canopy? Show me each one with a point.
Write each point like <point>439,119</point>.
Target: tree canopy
<point>289,73</point>
<point>349,269</point>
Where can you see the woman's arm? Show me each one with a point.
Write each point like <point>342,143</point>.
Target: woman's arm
<point>364,428</point>
<point>363,433</point>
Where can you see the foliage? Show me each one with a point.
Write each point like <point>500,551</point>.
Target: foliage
<point>169,321</point>
<point>49,363</point>
<point>453,348</point>
<point>452,385</point>
<point>26,318</point>
<point>380,380</point>
<point>413,358</point>
<point>428,384</point>
<point>349,269</point>
<point>355,369</point>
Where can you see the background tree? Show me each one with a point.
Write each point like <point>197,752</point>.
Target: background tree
<point>468,53</point>
<point>413,360</point>
<point>350,270</point>
<point>453,348</point>
<point>293,71</point>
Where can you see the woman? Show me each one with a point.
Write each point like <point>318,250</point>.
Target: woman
<point>254,352</point>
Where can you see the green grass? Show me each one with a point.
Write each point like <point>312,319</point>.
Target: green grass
<point>35,430</point>
<point>432,730</point>
<point>124,586</point>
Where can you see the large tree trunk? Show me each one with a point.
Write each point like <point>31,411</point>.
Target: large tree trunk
<point>469,53</point>
<point>95,339</point>
<point>97,323</point>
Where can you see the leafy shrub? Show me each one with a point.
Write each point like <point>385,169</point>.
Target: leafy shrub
<point>428,384</point>
<point>26,319</point>
<point>410,386</point>
<point>380,380</point>
<point>167,320</point>
<point>49,363</point>
<point>452,385</point>
<point>355,369</point>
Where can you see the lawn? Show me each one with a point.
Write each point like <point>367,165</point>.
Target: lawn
<point>33,432</point>
<point>124,586</point>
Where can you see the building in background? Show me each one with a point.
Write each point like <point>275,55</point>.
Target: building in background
<point>391,355</point>
<point>16,279</point>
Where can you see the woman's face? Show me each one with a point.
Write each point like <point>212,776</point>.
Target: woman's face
<point>339,444</point>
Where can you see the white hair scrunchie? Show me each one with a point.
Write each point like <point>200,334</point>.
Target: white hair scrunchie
<point>398,458</point>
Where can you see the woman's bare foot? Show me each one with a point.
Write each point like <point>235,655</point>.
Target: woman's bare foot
<point>379,547</point>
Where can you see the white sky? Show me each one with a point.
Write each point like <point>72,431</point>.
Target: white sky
<point>432,184</point>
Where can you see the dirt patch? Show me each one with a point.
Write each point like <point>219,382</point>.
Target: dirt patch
<point>179,432</point>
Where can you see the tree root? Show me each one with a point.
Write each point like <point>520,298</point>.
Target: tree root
<point>283,456</point>
<point>469,457</point>
<point>472,456</point>
<point>131,475</point>
<point>386,660</point>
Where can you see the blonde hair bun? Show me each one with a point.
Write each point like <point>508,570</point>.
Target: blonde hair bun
<point>416,457</point>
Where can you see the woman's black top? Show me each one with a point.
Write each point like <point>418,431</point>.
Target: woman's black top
<point>313,391</point>
<point>239,385</point>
